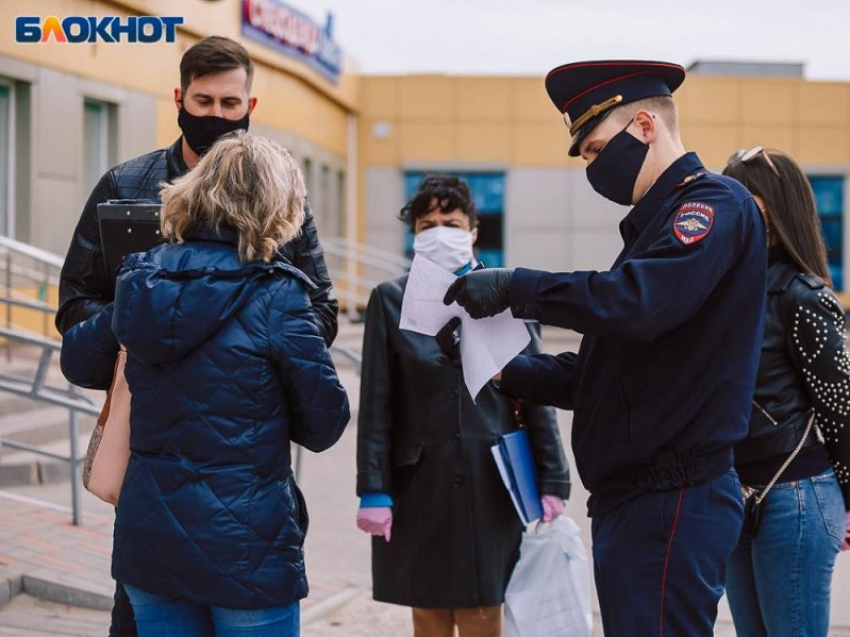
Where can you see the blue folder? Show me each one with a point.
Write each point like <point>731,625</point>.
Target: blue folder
<point>519,474</point>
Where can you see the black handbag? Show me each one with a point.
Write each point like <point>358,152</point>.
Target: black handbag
<point>753,497</point>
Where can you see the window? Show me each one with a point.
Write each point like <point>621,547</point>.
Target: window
<point>99,142</point>
<point>488,193</point>
<point>829,197</point>
<point>7,160</point>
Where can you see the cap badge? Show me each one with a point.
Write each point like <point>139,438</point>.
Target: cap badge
<point>592,112</point>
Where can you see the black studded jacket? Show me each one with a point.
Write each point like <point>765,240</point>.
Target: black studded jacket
<point>803,367</point>
<point>84,285</point>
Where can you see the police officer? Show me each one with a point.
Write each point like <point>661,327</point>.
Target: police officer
<point>662,383</point>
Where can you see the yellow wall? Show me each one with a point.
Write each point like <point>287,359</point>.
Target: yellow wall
<point>441,118</point>
<point>437,119</point>
<point>808,120</point>
<point>292,97</point>
<point>510,120</point>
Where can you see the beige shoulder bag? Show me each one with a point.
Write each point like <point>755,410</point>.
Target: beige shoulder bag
<point>109,448</point>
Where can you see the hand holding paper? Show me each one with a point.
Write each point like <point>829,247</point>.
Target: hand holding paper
<point>486,345</point>
<point>481,293</point>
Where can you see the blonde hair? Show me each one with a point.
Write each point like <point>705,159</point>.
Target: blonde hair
<point>250,183</point>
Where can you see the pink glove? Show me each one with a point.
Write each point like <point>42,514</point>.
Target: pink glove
<point>846,545</point>
<point>375,520</point>
<point>553,506</point>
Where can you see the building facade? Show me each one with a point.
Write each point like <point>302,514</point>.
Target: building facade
<point>69,111</point>
<point>505,135</point>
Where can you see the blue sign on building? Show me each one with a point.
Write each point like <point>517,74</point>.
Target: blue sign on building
<point>293,33</point>
<point>829,196</point>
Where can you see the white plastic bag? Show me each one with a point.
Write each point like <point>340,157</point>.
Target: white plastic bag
<point>549,591</point>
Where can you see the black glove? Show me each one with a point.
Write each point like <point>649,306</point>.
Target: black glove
<point>447,339</point>
<point>481,293</point>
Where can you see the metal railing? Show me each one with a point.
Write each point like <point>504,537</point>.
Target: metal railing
<point>38,389</point>
<point>357,268</point>
<point>24,267</point>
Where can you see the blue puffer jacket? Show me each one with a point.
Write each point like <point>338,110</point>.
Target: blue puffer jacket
<point>226,366</point>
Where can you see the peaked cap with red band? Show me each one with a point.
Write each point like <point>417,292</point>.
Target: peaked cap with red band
<point>586,92</point>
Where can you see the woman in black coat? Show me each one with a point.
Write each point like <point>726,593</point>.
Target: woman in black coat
<point>446,533</point>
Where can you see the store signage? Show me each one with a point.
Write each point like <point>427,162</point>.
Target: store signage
<point>293,33</point>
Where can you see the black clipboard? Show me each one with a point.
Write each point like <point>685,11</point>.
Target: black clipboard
<point>127,226</point>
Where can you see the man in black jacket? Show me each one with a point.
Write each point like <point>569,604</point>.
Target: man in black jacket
<point>213,99</point>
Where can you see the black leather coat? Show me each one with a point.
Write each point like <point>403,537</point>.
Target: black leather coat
<point>85,287</point>
<point>803,366</point>
<point>455,534</point>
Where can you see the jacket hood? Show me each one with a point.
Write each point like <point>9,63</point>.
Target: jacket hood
<point>162,313</point>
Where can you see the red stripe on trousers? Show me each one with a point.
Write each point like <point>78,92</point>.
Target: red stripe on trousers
<point>667,560</point>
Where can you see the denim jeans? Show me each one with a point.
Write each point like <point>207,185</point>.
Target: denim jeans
<point>779,582</point>
<point>161,616</point>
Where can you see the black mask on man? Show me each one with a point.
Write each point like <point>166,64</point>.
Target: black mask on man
<point>202,132</point>
<point>615,170</point>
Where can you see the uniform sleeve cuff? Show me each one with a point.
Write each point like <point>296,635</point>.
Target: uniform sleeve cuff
<point>512,374</point>
<point>522,293</point>
<point>375,500</point>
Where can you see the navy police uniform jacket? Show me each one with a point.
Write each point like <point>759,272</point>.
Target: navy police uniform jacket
<point>226,366</point>
<point>662,384</point>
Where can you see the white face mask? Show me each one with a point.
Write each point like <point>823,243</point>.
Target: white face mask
<point>450,248</point>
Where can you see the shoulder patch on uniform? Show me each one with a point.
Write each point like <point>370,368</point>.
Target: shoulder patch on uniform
<point>693,222</point>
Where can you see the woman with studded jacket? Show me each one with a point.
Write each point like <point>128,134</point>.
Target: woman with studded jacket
<point>795,462</point>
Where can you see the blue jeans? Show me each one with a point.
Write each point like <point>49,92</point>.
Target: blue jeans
<point>161,616</point>
<point>779,582</point>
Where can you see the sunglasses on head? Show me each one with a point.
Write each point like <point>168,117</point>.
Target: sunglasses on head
<point>745,155</point>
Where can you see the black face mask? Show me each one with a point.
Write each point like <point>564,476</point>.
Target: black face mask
<point>615,170</point>
<point>202,132</point>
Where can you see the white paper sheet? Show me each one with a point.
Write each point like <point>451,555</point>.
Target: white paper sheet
<point>486,345</point>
